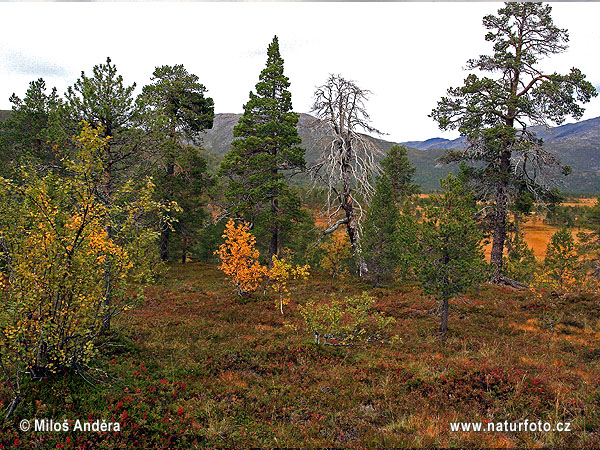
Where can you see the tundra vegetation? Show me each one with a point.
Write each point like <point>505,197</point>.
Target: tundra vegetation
<point>201,303</point>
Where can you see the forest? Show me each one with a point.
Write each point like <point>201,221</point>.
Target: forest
<point>165,297</point>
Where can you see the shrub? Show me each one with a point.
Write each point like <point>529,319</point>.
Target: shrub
<point>239,258</point>
<point>279,276</point>
<point>352,321</point>
<point>335,255</point>
<point>62,274</point>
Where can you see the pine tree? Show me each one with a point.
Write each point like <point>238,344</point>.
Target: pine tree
<point>175,110</point>
<point>34,133</point>
<point>104,102</point>
<point>450,245</point>
<point>520,263</point>
<point>266,145</point>
<point>496,112</point>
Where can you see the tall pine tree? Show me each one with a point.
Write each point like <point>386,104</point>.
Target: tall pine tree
<point>266,146</point>
<point>176,112</point>
<point>496,112</point>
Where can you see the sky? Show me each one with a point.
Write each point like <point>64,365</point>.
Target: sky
<point>406,54</point>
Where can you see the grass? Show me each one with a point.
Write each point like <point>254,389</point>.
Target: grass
<point>195,366</point>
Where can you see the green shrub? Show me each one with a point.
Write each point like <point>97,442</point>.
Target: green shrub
<point>352,321</point>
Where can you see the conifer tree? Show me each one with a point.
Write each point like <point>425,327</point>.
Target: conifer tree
<point>104,102</point>
<point>176,112</point>
<point>520,263</point>
<point>450,245</point>
<point>35,129</point>
<point>496,112</point>
<point>381,243</point>
<point>389,233</point>
<point>561,265</point>
<point>400,172</point>
<point>266,145</point>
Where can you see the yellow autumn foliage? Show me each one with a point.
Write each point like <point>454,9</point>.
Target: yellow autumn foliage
<point>281,274</point>
<point>336,254</point>
<point>58,264</point>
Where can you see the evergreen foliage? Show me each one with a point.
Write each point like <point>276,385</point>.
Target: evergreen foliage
<point>520,263</point>
<point>495,113</point>
<point>389,233</point>
<point>450,245</point>
<point>34,133</point>
<point>176,111</point>
<point>561,269</point>
<point>266,144</point>
<point>400,173</point>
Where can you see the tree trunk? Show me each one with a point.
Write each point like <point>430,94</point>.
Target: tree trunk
<point>274,242</point>
<point>352,223</point>
<point>500,213</point>
<point>184,249</point>
<point>165,233</point>
<point>107,276</point>
<point>444,324</point>
<point>164,244</point>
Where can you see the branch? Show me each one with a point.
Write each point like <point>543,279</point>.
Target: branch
<point>335,226</point>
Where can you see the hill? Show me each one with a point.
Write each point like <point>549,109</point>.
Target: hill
<point>314,135</point>
<point>576,144</point>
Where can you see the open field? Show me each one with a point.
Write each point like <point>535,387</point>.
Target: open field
<point>197,367</point>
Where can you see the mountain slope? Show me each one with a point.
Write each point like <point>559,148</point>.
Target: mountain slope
<point>576,144</point>
<point>314,135</point>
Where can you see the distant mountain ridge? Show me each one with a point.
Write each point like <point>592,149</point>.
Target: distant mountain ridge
<point>576,144</point>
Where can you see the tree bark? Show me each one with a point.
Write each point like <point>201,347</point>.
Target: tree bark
<point>444,324</point>
<point>165,233</point>
<point>274,242</point>
<point>499,237</point>
<point>352,223</point>
<point>107,276</point>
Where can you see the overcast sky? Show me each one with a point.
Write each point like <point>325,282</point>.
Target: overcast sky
<point>407,54</point>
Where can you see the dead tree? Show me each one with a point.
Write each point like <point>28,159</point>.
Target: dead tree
<point>347,164</point>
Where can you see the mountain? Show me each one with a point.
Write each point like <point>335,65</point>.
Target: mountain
<point>576,144</point>
<point>315,135</point>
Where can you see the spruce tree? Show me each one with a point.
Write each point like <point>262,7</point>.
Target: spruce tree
<point>400,172</point>
<point>561,264</point>
<point>266,145</point>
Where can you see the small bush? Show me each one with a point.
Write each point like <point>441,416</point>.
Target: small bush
<point>352,321</point>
